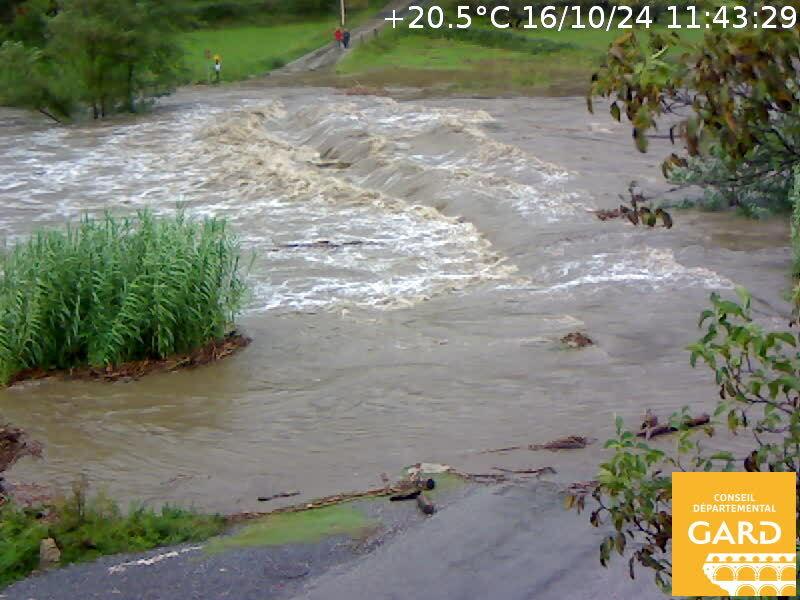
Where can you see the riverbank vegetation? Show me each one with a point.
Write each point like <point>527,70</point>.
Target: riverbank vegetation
<point>482,59</point>
<point>60,57</point>
<point>739,88</point>
<point>253,42</point>
<point>84,529</point>
<point>759,388</point>
<point>108,291</point>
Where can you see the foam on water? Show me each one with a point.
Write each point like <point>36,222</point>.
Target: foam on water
<point>654,267</point>
<point>392,169</point>
<point>227,163</point>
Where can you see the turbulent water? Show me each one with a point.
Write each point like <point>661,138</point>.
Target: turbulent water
<point>415,264</point>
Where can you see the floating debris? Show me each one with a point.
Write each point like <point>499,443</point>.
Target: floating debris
<point>538,472</point>
<point>571,442</point>
<point>577,339</point>
<point>689,422</point>
<point>425,505</point>
<point>276,496</point>
<point>14,444</point>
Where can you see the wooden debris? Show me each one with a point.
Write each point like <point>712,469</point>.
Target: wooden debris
<point>538,472</point>
<point>506,449</point>
<point>400,497</point>
<point>276,496</point>
<point>319,244</point>
<point>425,505</point>
<point>14,444</point>
<point>665,429</point>
<point>571,442</point>
<point>332,164</point>
<point>576,339</point>
<point>606,214</point>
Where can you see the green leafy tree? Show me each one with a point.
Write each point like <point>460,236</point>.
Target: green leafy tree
<point>28,80</point>
<point>758,374</point>
<point>123,49</point>
<point>739,87</point>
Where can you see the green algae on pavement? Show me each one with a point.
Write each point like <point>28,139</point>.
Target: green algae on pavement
<point>296,527</point>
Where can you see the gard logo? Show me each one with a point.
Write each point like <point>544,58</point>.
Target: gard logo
<point>733,534</point>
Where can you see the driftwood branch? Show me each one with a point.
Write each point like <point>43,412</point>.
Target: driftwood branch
<point>276,496</point>
<point>650,432</point>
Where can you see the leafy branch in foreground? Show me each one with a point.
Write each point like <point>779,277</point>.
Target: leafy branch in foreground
<point>758,374</point>
<point>108,291</point>
<point>735,93</point>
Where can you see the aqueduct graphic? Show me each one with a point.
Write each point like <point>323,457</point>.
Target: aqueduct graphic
<point>753,574</point>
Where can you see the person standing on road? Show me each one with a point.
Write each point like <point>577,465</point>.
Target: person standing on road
<point>217,67</point>
<point>346,39</point>
<point>339,37</point>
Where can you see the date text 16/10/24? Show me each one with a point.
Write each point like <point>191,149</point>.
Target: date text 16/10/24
<point>597,17</point>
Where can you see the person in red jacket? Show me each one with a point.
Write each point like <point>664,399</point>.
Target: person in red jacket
<point>339,36</point>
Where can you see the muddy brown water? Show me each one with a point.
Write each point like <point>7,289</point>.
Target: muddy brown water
<point>434,338</point>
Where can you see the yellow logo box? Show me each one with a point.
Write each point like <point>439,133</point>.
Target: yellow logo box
<point>734,534</point>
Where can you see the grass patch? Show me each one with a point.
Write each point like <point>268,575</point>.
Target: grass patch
<point>482,59</point>
<point>86,530</point>
<point>114,290</point>
<point>296,527</point>
<point>254,49</point>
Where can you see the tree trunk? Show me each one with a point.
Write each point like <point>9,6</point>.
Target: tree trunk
<point>131,100</point>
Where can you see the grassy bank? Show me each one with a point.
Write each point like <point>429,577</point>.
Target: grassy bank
<point>262,44</point>
<point>84,530</point>
<point>478,60</point>
<point>104,292</point>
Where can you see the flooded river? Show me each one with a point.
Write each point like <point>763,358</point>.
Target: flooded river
<point>461,250</point>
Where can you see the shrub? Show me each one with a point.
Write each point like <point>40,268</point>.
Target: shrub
<point>113,290</point>
<point>759,388</point>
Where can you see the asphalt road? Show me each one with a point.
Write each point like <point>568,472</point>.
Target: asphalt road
<point>501,543</point>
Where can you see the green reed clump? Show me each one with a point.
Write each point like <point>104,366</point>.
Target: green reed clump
<point>112,290</point>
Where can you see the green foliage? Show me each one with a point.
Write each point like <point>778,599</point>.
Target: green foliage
<point>107,54</point>
<point>724,187</point>
<point>84,530</point>
<point>122,49</point>
<point>29,22</point>
<point>20,534</point>
<point>739,86</point>
<point>758,375</point>
<point>114,290</point>
<point>28,80</point>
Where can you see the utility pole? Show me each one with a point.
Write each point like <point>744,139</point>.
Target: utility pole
<point>343,13</point>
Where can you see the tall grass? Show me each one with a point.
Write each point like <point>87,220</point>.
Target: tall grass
<point>112,290</point>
